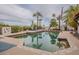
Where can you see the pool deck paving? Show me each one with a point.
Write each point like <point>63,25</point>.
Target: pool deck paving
<point>21,50</point>
<point>73,42</point>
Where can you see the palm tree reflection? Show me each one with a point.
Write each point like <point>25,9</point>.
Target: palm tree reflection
<point>53,37</point>
<point>37,44</point>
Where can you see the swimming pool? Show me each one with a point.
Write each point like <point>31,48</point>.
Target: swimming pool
<point>5,46</point>
<point>44,40</point>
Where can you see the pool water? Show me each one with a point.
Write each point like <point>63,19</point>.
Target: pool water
<point>5,46</point>
<point>45,41</point>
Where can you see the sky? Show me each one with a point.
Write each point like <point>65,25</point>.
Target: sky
<point>22,14</point>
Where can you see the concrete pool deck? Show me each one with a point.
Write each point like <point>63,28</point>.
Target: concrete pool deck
<point>73,42</point>
<point>20,50</point>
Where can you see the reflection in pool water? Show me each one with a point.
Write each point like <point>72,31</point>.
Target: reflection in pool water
<point>44,41</point>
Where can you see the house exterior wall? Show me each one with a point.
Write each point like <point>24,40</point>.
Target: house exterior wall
<point>6,30</point>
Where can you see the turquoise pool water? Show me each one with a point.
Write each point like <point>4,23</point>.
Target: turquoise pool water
<point>45,41</point>
<point>5,46</point>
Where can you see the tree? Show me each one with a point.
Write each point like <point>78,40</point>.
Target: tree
<point>69,15</point>
<point>32,25</point>
<point>59,18</point>
<point>37,15</point>
<point>53,22</point>
<point>66,24</point>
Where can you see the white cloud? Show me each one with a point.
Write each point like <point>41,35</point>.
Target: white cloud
<point>14,12</point>
<point>21,13</point>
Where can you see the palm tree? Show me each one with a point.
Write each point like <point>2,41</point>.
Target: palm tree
<point>69,15</point>
<point>37,15</point>
<point>32,25</point>
<point>59,18</point>
<point>66,24</point>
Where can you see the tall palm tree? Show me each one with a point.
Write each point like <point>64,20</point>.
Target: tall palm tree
<point>59,18</point>
<point>32,25</point>
<point>69,15</point>
<point>66,24</point>
<point>37,15</point>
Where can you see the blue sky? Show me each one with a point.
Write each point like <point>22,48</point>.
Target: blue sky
<point>22,14</point>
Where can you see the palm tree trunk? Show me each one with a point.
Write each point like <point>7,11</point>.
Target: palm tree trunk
<point>37,22</point>
<point>59,24</point>
<point>60,18</point>
<point>76,28</point>
<point>66,25</point>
